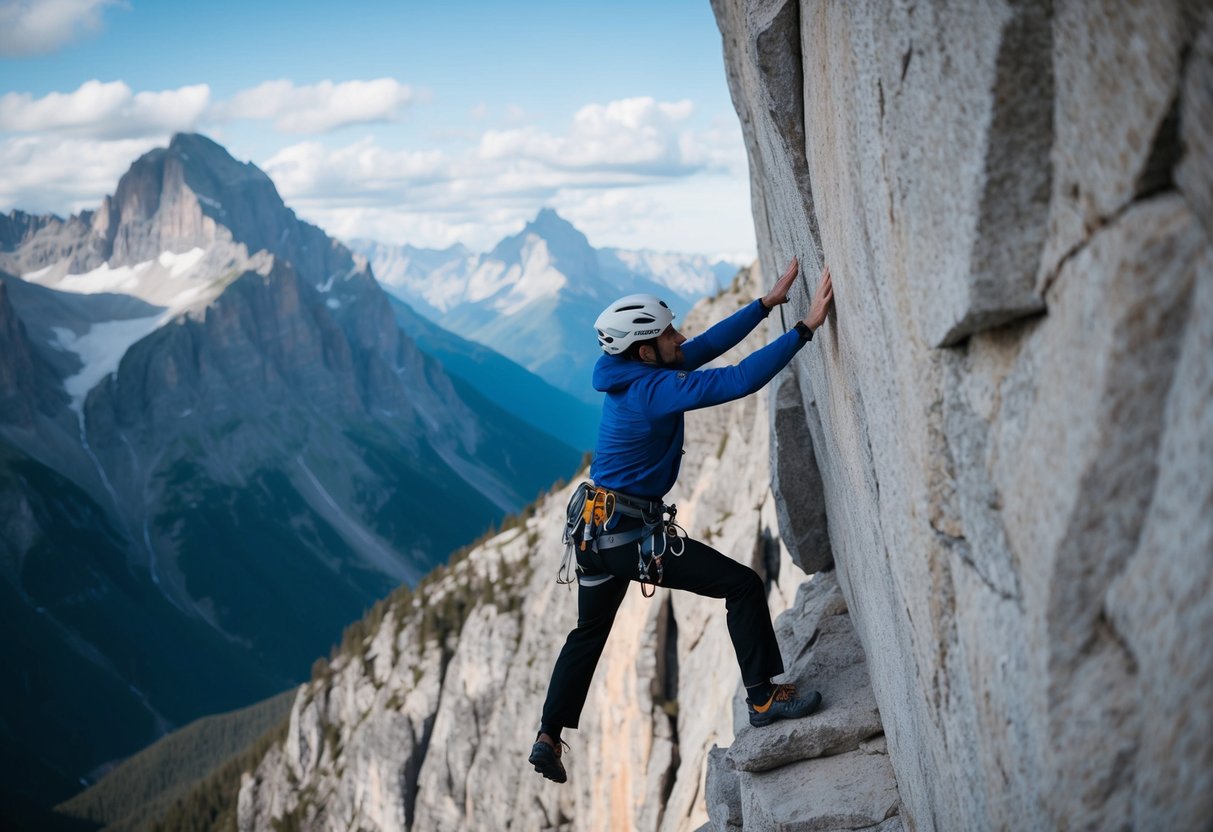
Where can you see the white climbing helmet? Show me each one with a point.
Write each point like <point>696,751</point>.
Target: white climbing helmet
<point>631,319</point>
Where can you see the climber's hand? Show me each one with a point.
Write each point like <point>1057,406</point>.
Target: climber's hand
<point>779,294</point>
<point>822,299</point>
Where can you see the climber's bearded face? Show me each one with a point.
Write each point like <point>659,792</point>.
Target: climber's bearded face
<point>668,351</point>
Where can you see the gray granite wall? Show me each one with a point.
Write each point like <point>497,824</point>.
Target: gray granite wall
<point>1011,407</point>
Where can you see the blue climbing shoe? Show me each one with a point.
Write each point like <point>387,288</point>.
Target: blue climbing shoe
<point>783,704</point>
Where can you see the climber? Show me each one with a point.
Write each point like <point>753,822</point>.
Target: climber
<point>650,374</point>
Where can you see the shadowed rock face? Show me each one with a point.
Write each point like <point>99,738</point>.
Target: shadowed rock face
<point>1015,205</point>
<point>193,193</point>
<point>26,384</point>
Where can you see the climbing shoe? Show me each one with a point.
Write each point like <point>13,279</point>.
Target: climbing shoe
<point>783,704</point>
<point>545,757</point>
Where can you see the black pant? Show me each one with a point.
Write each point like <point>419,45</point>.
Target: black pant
<point>700,569</point>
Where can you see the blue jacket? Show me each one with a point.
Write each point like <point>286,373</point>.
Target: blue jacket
<point>640,436</point>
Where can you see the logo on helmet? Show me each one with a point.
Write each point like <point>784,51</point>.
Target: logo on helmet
<point>641,332</point>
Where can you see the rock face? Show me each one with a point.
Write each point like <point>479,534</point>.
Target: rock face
<point>26,385</point>
<point>1011,408</point>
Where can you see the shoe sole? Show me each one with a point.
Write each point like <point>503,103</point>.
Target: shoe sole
<point>760,720</point>
<point>547,767</point>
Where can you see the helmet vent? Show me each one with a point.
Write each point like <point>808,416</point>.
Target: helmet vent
<point>643,319</point>
<point>631,308</point>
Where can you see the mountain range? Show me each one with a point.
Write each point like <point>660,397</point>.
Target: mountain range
<point>218,446</point>
<point>530,297</point>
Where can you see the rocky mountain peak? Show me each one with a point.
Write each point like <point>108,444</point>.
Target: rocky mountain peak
<point>568,249</point>
<point>194,193</point>
<point>551,226</point>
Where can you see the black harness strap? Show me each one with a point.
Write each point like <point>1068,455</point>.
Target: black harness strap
<point>589,510</point>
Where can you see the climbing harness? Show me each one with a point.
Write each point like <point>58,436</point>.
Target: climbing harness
<point>589,511</point>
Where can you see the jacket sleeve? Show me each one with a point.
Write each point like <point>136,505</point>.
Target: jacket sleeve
<point>722,337</point>
<point>675,391</point>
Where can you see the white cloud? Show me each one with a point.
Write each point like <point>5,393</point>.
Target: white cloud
<point>361,171</point>
<point>63,174</point>
<point>105,110</point>
<point>34,27</point>
<point>621,171</point>
<point>637,134</point>
<point>112,110</point>
<point>624,144</point>
<point>617,171</point>
<point>319,108</point>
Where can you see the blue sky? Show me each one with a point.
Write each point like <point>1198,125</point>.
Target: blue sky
<point>429,123</point>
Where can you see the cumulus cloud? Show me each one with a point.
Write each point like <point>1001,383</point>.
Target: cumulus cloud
<point>361,171</point>
<point>616,169</point>
<point>606,170</point>
<point>105,110</point>
<point>319,108</point>
<point>637,134</point>
<point>64,174</point>
<point>112,110</point>
<point>35,27</point>
<point>617,145</point>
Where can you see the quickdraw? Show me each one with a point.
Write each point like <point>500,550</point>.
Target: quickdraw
<point>655,542</point>
<point>591,508</point>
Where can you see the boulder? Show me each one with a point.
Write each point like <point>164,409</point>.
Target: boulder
<point>854,790</point>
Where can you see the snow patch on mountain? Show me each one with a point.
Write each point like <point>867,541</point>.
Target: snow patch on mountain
<point>489,279</point>
<point>534,278</point>
<point>100,350</point>
<point>179,264</point>
<point>172,279</point>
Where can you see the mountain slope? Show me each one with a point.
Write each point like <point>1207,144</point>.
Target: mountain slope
<point>502,381</point>
<point>145,786</point>
<point>252,444</point>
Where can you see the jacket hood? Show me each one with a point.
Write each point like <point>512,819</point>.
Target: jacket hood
<point>613,373</point>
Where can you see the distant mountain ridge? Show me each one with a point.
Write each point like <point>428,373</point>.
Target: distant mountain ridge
<point>217,447</point>
<point>535,295</point>
<point>502,381</point>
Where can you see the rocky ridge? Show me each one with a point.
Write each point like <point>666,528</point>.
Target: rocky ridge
<point>1012,407</point>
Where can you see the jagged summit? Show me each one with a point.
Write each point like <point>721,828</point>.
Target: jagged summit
<point>546,281</point>
<point>202,161</point>
<point>567,248</point>
<point>551,226</point>
<point>195,163</point>
<point>194,194</point>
